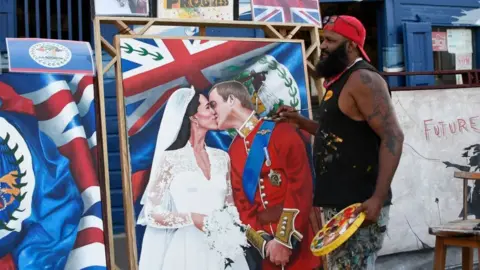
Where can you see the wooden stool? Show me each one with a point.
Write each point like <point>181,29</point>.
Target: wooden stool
<point>458,233</point>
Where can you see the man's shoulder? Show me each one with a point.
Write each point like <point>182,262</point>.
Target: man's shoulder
<point>365,75</point>
<point>365,80</point>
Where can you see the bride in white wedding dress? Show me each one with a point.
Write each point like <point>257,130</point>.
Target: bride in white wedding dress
<point>188,181</point>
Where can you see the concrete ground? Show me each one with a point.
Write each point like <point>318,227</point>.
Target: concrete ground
<point>418,260</point>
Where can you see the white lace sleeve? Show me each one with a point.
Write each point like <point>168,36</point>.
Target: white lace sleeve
<point>229,194</point>
<point>159,207</point>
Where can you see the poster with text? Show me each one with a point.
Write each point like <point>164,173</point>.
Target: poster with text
<point>182,94</point>
<point>50,198</point>
<point>122,7</point>
<point>442,135</point>
<point>193,9</point>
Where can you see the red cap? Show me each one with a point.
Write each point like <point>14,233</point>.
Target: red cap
<point>349,27</point>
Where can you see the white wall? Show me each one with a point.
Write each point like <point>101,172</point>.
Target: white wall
<point>438,125</point>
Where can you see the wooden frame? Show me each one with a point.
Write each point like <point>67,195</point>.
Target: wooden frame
<point>309,35</point>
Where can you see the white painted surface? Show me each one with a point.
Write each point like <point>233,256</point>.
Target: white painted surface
<point>421,177</point>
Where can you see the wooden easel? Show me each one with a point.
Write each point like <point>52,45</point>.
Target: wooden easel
<point>458,233</point>
<point>273,31</point>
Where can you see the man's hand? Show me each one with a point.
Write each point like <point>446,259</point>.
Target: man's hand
<point>290,115</point>
<point>278,253</point>
<point>372,208</point>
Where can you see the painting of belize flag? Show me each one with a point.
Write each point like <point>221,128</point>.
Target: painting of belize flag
<point>34,55</point>
<point>50,199</point>
<point>287,11</point>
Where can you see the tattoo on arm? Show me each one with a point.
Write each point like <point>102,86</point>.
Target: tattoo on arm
<point>383,110</point>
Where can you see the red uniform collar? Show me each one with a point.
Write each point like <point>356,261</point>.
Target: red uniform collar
<point>249,126</point>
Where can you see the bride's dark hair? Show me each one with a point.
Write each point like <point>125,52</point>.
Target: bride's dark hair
<point>184,132</point>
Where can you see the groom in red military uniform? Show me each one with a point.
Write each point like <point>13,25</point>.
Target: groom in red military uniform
<point>271,182</point>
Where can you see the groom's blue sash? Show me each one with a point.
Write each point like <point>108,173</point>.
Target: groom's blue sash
<point>255,159</point>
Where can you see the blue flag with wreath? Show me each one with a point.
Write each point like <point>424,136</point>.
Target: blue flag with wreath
<point>275,78</point>
<point>40,204</point>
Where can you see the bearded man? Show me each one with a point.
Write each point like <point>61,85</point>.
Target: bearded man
<point>358,140</point>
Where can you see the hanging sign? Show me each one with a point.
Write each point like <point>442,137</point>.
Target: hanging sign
<point>459,40</point>
<point>35,55</point>
<point>439,41</point>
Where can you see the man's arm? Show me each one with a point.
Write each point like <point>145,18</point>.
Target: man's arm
<point>374,103</point>
<point>290,115</point>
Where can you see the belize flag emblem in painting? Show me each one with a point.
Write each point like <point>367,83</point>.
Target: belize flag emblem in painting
<point>50,199</point>
<point>288,11</point>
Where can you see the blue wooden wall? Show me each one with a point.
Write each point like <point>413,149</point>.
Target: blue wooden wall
<point>7,22</point>
<point>435,12</point>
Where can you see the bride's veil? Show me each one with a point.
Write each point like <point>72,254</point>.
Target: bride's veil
<point>169,129</point>
<point>167,134</point>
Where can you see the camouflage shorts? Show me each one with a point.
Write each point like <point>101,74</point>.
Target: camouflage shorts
<point>359,252</point>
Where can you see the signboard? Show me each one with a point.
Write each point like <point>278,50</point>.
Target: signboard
<point>459,40</point>
<point>442,135</point>
<point>35,55</point>
<point>122,7</point>
<point>439,41</point>
<point>208,10</point>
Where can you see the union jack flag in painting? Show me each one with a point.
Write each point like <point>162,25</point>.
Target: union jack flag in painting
<point>63,106</point>
<point>288,11</point>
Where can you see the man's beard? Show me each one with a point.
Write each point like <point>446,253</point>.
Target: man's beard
<point>335,62</point>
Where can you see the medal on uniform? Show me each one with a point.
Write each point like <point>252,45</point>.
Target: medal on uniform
<point>268,162</point>
<point>275,178</point>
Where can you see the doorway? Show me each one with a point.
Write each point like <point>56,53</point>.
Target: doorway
<point>367,12</point>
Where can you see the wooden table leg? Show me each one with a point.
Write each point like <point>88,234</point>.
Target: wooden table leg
<point>467,258</point>
<point>440,254</point>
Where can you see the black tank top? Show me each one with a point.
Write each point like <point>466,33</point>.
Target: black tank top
<point>345,152</point>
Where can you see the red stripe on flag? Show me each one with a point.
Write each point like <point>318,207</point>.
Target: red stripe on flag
<point>54,105</point>
<point>89,236</point>
<point>193,72</point>
<point>82,85</point>
<point>151,111</point>
<point>13,102</point>
<point>81,164</point>
<point>7,263</point>
<point>187,64</point>
<point>139,183</point>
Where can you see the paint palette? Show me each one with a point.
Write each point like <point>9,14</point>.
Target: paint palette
<point>337,230</point>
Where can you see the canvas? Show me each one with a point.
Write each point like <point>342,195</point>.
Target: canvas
<point>442,136</point>
<point>291,11</point>
<point>50,199</point>
<point>121,7</point>
<point>169,87</point>
<point>194,9</point>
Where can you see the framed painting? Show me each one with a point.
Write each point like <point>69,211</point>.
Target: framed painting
<point>290,11</point>
<point>196,9</point>
<point>202,158</point>
<point>51,213</point>
<point>121,7</point>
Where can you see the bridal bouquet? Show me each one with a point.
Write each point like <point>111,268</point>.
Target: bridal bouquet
<point>226,234</point>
